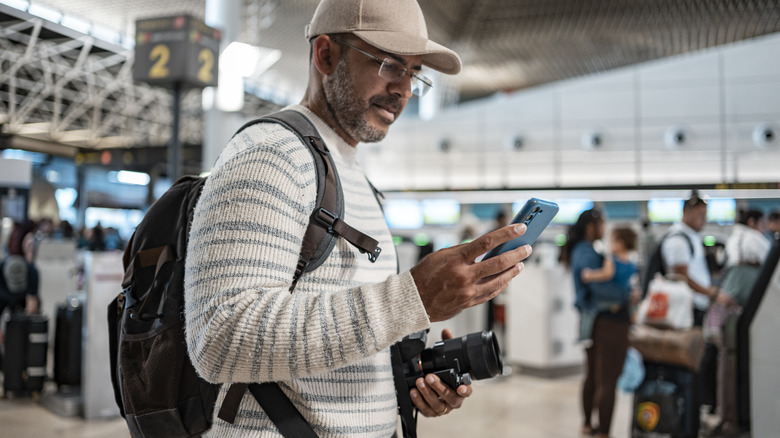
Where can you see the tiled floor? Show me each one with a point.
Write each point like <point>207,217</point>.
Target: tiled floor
<point>522,406</point>
<point>515,406</point>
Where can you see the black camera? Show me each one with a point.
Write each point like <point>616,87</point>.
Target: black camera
<point>456,362</point>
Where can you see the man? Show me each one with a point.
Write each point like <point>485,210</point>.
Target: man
<point>683,254</point>
<point>327,343</point>
<point>746,250</point>
<point>18,287</point>
<point>773,225</point>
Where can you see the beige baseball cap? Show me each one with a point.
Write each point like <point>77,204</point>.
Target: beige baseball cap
<point>395,26</point>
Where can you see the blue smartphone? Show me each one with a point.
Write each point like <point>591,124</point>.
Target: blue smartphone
<point>536,214</point>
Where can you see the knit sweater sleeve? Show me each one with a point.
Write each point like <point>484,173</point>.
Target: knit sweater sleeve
<point>242,323</point>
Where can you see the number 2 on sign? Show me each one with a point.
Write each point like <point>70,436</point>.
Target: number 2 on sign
<point>206,58</point>
<point>160,55</point>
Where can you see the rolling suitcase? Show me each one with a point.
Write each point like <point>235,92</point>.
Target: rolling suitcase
<point>24,364</point>
<point>666,403</point>
<point>67,344</point>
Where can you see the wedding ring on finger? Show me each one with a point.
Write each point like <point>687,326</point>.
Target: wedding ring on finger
<point>446,408</point>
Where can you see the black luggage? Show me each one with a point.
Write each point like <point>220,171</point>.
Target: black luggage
<point>24,364</point>
<point>67,344</point>
<point>666,403</point>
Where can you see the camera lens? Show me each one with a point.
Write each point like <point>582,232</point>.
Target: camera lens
<point>536,209</point>
<point>483,353</point>
<point>477,354</point>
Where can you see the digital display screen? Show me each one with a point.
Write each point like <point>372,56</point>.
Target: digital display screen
<point>403,213</point>
<point>570,210</point>
<point>722,210</point>
<point>441,211</point>
<point>665,210</point>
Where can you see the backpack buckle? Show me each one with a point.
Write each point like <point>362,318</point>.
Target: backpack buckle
<point>326,219</point>
<point>372,256</point>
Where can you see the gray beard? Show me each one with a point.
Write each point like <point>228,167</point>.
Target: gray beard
<point>347,109</point>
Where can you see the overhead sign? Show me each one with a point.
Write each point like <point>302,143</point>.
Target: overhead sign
<point>179,49</point>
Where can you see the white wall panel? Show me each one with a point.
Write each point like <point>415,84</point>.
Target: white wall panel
<point>758,166</point>
<point>757,57</point>
<point>696,68</point>
<point>598,168</point>
<point>531,169</point>
<point>680,102</point>
<point>703,137</point>
<point>754,99</point>
<point>717,97</point>
<point>613,137</point>
<point>679,167</point>
<point>606,82</point>
<point>598,105</point>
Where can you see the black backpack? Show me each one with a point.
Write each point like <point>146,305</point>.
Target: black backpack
<point>155,385</point>
<point>655,263</point>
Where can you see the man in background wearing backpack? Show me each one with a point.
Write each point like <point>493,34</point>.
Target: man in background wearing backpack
<point>327,343</point>
<point>683,254</point>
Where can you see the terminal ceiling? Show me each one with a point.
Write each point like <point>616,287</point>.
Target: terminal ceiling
<point>505,45</point>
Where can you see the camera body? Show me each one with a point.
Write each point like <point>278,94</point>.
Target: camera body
<point>455,361</point>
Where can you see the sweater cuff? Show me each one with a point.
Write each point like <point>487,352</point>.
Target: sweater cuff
<point>402,311</point>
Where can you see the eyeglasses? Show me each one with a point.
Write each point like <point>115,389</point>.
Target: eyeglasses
<point>393,71</point>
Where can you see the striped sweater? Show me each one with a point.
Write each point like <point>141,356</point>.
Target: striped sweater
<point>326,344</point>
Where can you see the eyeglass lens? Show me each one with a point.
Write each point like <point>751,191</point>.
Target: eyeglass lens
<point>393,71</point>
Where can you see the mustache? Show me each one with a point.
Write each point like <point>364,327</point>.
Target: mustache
<point>393,103</point>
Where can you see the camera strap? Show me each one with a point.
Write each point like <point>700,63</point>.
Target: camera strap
<point>405,407</point>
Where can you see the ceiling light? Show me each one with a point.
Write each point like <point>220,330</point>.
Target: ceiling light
<point>246,60</point>
<point>134,178</point>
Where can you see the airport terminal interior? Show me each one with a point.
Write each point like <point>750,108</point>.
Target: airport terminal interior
<point>631,108</point>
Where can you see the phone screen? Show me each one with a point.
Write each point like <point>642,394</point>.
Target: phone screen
<point>536,214</point>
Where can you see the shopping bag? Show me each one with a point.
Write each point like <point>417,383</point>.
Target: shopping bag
<point>668,304</point>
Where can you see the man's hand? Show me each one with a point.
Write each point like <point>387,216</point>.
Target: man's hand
<point>721,297</point>
<point>433,398</point>
<point>450,281</point>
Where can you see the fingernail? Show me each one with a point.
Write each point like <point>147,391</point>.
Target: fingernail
<point>421,383</point>
<point>414,394</point>
<point>462,390</point>
<point>430,380</point>
<point>530,249</point>
<point>521,266</point>
<point>520,228</point>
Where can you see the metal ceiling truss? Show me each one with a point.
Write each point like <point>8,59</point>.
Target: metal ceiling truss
<point>70,89</point>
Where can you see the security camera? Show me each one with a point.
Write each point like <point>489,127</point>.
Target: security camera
<point>764,135</point>
<point>675,137</point>
<point>514,143</point>
<point>592,140</point>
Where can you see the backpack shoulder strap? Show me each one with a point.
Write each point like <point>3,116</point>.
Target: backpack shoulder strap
<point>660,246</point>
<point>683,234</point>
<point>326,220</point>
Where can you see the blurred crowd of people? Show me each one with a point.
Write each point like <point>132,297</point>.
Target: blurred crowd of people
<point>607,295</point>
<point>19,276</point>
<point>25,237</point>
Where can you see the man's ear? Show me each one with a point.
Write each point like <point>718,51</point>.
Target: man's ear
<point>325,54</point>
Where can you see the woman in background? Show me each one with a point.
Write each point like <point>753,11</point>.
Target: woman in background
<point>604,323</point>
